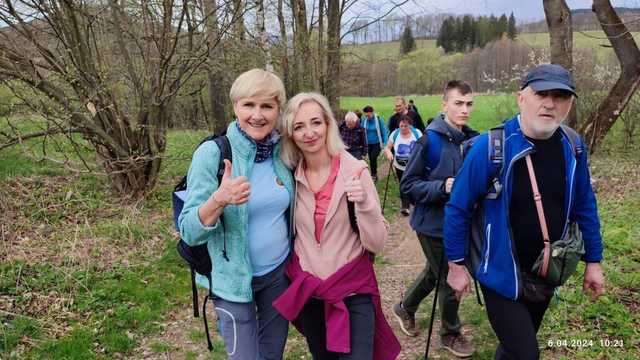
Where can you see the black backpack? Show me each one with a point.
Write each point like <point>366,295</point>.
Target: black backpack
<point>197,257</point>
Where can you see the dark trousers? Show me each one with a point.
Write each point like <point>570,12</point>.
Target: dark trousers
<point>361,322</point>
<point>423,285</point>
<point>516,324</point>
<point>373,150</point>
<point>404,199</point>
<point>255,330</point>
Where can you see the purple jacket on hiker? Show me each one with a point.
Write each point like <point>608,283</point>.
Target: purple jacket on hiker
<point>356,277</point>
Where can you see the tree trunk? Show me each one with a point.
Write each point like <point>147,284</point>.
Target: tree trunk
<point>332,84</point>
<point>558,17</point>
<point>320,64</point>
<point>626,50</point>
<point>286,70</point>
<point>301,49</point>
<point>262,35</point>
<point>238,23</point>
<point>218,94</point>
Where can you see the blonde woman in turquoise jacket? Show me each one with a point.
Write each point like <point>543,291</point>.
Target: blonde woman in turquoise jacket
<point>249,248</point>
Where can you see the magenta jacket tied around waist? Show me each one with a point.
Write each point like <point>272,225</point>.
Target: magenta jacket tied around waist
<point>356,277</point>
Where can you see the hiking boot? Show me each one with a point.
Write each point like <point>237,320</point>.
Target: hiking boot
<point>405,211</point>
<point>406,320</point>
<point>458,345</point>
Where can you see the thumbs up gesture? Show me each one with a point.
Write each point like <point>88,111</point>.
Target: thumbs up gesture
<point>232,190</point>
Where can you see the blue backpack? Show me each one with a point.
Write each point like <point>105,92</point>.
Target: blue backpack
<point>197,257</point>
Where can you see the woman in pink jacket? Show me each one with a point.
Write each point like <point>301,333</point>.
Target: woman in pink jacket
<point>333,298</point>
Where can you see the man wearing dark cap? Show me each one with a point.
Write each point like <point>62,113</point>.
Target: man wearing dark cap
<point>492,205</point>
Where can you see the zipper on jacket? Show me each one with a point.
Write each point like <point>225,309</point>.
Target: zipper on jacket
<point>486,253</point>
<point>518,156</point>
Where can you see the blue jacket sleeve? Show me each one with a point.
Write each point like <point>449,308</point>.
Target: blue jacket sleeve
<point>585,210</point>
<point>201,183</point>
<point>414,181</point>
<point>470,186</point>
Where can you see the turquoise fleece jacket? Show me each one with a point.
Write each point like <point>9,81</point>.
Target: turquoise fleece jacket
<point>231,280</point>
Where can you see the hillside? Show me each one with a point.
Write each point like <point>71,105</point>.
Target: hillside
<point>595,40</point>
<point>585,20</point>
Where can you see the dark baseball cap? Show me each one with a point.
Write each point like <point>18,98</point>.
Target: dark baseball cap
<point>549,77</point>
<point>367,108</point>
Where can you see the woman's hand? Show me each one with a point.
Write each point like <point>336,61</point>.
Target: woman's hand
<point>388,154</point>
<point>355,191</point>
<point>231,191</point>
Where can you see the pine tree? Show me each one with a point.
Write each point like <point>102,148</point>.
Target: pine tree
<point>407,42</point>
<point>503,24</point>
<point>494,32</point>
<point>512,31</point>
<point>446,35</point>
<point>467,33</point>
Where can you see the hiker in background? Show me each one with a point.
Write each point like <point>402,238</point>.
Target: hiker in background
<point>402,141</point>
<point>401,109</point>
<point>354,135</point>
<point>376,137</point>
<point>412,107</point>
<point>427,181</point>
<point>517,296</point>
<point>249,245</point>
<point>333,298</point>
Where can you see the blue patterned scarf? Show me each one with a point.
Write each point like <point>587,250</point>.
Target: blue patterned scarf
<point>265,147</point>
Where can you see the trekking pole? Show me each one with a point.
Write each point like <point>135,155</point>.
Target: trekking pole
<point>433,308</point>
<point>386,185</point>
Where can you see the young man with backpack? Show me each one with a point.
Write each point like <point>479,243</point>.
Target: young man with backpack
<point>427,180</point>
<point>512,214</point>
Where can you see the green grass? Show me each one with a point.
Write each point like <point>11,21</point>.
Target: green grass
<point>90,277</point>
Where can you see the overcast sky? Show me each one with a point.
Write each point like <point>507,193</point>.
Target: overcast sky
<point>522,9</point>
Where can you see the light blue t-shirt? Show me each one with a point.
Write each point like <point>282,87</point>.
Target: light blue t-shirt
<point>268,202</point>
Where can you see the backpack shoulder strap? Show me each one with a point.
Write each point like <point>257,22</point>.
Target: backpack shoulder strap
<point>394,135</point>
<point>415,132</point>
<point>351,209</point>
<point>433,142</point>
<point>496,148</point>
<point>574,139</point>
<point>225,153</point>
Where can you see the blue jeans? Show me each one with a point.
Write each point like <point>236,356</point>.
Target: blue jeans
<point>255,330</point>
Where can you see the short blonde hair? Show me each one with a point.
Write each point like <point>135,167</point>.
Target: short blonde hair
<point>351,116</point>
<point>258,82</point>
<point>290,153</point>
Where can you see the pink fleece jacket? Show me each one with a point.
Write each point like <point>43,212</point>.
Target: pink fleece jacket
<point>338,243</point>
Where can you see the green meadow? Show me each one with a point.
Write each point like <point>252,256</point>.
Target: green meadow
<point>488,110</point>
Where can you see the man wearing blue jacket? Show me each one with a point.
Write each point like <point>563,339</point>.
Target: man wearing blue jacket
<point>504,221</point>
<point>427,181</point>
